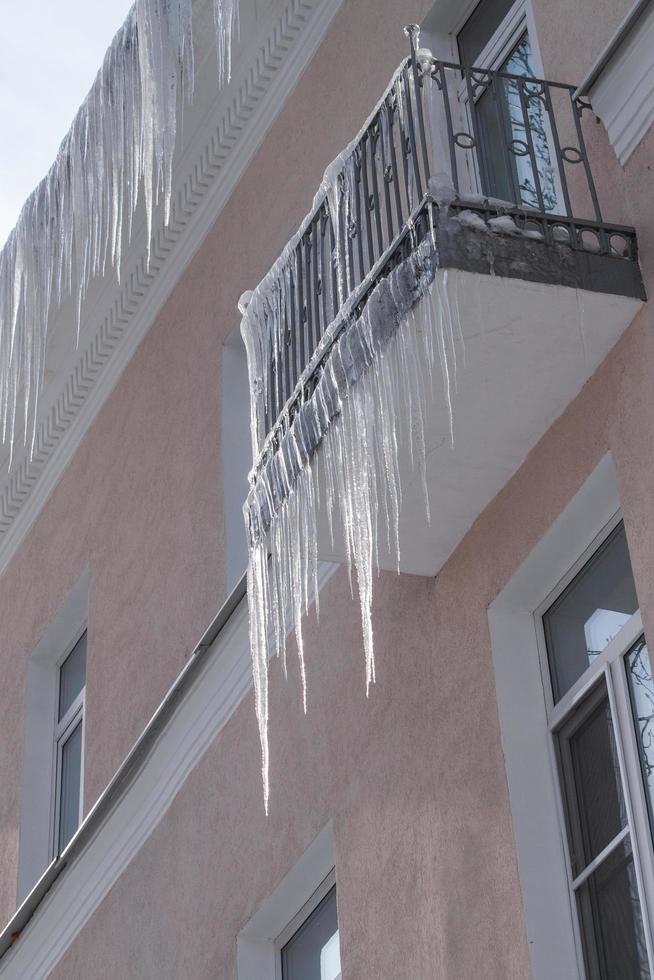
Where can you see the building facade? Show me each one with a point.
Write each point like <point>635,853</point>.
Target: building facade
<point>486,807</point>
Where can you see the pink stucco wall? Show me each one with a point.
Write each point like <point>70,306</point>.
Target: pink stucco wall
<point>414,777</point>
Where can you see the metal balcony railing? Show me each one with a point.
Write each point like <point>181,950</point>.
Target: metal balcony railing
<point>443,133</point>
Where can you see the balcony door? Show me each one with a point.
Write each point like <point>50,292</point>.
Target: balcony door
<point>506,118</point>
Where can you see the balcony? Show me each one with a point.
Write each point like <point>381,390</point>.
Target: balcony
<point>470,190</point>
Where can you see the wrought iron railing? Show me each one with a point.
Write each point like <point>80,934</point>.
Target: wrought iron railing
<point>470,138</point>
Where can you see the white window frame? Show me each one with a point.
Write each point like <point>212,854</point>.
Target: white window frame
<point>610,666</point>
<point>38,776</point>
<point>64,728</point>
<point>259,943</point>
<point>300,918</point>
<point>533,780</point>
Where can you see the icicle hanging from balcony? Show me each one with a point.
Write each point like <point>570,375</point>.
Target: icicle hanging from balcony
<point>330,445</point>
<point>370,395</point>
<point>73,225</point>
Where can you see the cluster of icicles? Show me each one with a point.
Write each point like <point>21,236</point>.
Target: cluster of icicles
<point>74,224</point>
<point>341,457</point>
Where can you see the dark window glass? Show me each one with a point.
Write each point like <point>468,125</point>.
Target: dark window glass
<point>72,676</point>
<point>480,27</point>
<point>590,612</point>
<point>611,920</point>
<point>71,776</point>
<point>313,952</point>
<point>591,777</point>
<point>641,690</point>
<point>607,896</point>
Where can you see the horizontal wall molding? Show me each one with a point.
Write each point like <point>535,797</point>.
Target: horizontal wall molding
<point>205,708</point>
<point>219,151</point>
<point>622,95</point>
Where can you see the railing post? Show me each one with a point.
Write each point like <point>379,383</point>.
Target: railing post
<point>412,31</point>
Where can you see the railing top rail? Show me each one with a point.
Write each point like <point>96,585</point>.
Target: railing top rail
<point>494,73</point>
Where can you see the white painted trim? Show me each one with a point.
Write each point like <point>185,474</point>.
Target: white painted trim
<point>533,786</point>
<point>258,943</point>
<point>623,94</point>
<point>221,684</point>
<point>305,911</point>
<point>38,789</point>
<point>75,716</point>
<point>213,166</point>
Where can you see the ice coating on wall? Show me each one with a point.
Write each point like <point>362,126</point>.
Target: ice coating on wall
<point>74,224</point>
<point>340,457</point>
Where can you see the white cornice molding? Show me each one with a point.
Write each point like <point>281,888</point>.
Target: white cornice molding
<point>209,170</point>
<point>205,708</point>
<point>623,93</point>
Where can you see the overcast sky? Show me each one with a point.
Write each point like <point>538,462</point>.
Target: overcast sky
<point>50,52</point>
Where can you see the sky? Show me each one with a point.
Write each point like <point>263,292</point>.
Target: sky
<point>50,52</point>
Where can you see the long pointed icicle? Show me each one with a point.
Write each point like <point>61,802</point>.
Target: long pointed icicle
<point>74,224</point>
<point>371,397</point>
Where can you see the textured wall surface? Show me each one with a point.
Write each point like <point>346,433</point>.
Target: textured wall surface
<point>413,777</point>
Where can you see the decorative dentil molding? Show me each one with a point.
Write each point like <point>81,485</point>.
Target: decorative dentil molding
<point>211,166</point>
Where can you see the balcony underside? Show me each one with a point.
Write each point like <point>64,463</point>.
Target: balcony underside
<point>536,318</point>
<point>529,349</point>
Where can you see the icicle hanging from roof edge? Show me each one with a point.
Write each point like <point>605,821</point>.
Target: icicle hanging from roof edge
<point>75,222</point>
<point>226,19</point>
<point>371,398</point>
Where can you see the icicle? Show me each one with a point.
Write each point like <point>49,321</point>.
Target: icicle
<point>371,397</point>
<point>226,19</point>
<point>74,224</point>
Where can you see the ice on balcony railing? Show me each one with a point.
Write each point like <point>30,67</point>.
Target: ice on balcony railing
<point>340,454</point>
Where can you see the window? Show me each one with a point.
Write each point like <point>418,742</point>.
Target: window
<point>280,943</point>
<point>479,28</point>
<point>600,709</point>
<point>68,746</point>
<point>51,680</point>
<point>507,118</point>
<point>312,951</point>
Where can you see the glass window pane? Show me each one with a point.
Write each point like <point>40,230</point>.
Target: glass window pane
<point>314,953</point>
<point>69,786</point>
<point>590,612</point>
<point>480,27</point>
<point>591,778</point>
<point>611,920</point>
<point>504,138</point>
<point>72,676</point>
<point>641,688</point>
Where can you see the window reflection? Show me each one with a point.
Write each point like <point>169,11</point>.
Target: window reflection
<point>313,953</point>
<point>641,688</point>
<point>520,63</point>
<point>590,612</point>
